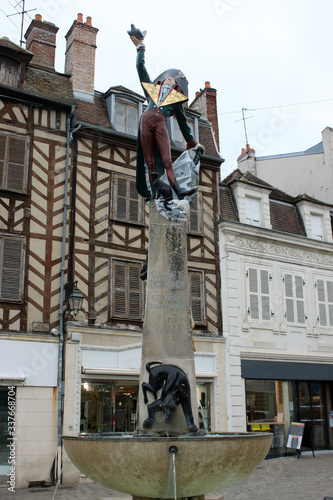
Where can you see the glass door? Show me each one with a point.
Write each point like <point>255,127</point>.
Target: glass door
<point>312,410</point>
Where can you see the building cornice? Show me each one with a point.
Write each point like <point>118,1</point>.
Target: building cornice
<point>253,241</point>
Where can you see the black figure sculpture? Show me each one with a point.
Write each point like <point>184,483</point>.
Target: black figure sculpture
<point>175,390</point>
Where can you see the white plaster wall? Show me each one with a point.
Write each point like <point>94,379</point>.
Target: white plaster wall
<point>36,432</point>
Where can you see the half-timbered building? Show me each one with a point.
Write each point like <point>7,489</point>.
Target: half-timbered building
<point>70,219</point>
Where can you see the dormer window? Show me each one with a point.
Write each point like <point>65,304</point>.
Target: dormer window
<point>10,72</point>
<point>317,227</point>
<point>124,109</point>
<point>252,206</point>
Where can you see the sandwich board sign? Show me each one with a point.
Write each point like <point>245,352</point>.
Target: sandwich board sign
<point>295,436</point>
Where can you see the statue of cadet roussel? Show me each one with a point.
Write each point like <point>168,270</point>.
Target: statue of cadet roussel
<point>165,96</point>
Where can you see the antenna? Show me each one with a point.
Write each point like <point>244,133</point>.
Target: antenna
<point>20,4</point>
<point>243,120</point>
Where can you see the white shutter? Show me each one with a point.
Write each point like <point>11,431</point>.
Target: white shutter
<point>254,293</point>
<point>264,283</point>
<point>330,301</point>
<point>289,292</point>
<point>321,302</point>
<point>299,285</point>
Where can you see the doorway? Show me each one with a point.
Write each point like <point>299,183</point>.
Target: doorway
<point>312,401</point>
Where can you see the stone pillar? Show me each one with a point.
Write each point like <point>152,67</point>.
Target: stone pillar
<point>167,336</point>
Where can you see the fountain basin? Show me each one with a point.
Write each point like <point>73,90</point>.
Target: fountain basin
<point>143,465</point>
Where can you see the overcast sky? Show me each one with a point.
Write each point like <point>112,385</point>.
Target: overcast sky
<point>268,56</point>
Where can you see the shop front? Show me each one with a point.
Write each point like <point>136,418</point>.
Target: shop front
<point>279,393</point>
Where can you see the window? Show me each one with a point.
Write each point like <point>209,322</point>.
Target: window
<point>196,299</point>
<point>195,218</point>
<point>13,162</point>
<point>258,294</point>
<point>127,204</point>
<point>127,290</point>
<point>325,302</point>
<point>126,117</point>
<point>11,268</point>
<point>317,227</point>
<point>176,134</point>
<point>252,206</point>
<point>294,298</point>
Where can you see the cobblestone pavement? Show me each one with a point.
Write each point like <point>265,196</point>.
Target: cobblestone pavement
<point>287,478</point>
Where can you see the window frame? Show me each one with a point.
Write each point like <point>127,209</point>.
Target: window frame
<point>127,104</point>
<point>250,211</point>
<point>261,295</point>
<point>326,305</point>
<point>292,302</point>
<point>196,208</point>
<point>5,161</point>
<point>16,268</point>
<point>317,223</point>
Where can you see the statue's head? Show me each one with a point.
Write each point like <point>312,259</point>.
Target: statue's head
<point>181,84</point>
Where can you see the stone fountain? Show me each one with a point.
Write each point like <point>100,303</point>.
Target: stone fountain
<point>167,456</point>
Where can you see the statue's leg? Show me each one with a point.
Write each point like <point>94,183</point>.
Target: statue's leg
<point>152,409</point>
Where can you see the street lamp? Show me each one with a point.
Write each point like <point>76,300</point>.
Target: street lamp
<point>75,300</point>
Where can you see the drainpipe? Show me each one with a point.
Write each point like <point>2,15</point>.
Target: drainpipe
<point>61,309</point>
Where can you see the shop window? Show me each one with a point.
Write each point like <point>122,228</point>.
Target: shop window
<point>127,205</point>
<point>270,408</point>
<point>195,218</point>
<point>111,406</point>
<point>197,297</point>
<point>127,290</point>
<point>325,302</point>
<point>13,162</point>
<point>11,268</point>
<point>252,206</point>
<point>258,286</point>
<point>294,298</point>
<point>126,117</point>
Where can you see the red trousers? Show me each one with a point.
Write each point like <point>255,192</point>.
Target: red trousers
<point>154,134</point>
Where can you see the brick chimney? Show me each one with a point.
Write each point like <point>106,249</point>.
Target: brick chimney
<point>80,57</point>
<point>205,103</point>
<point>41,41</point>
<point>246,162</point>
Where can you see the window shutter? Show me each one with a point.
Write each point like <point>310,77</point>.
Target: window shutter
<point>16,164</point>
<point>196,296</point>
<point>330,301</point>
<point>11,269</point>
<point>321,301</point>
<point>127,290</point>
<point>289,291</point>
<point>121,185</point>
<point>2,158</point>
<point>120,116</point>
<point>134,291</point>
<point>134,215</point>
<point>119,289</point>
<point>264,282</point>
<point>300,299</point>
<point>254,293</point>
<point>195,218</point>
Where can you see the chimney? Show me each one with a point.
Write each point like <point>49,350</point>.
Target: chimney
<point>246,162</point>
<point>205,103</point>
<point>41,41</point>
<point>80,57</point>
